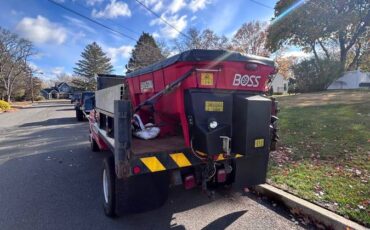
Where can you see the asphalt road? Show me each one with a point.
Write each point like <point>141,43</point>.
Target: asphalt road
<point>49,179</point>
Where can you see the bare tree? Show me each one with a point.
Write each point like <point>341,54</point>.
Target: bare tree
<point>14,54</point>
<point>251,38</point>
<point>206,39</point>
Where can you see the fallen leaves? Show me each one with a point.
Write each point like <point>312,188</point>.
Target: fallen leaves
<point>281,156</point>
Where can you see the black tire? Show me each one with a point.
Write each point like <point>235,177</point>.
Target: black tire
<point>109,192</point>
<point>79,115</point>
<point>136,194</point>
<point>93,145</point>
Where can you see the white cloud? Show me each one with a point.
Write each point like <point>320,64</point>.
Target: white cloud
<point>176,6</point>
<point>176,21</point>
<point>193,18</point>
<point>33,66</point>
<point>119,52</point>
<point>196,5</point>
<point>296,53</point>
<point>57,70</point>
<point>158,6</point>
<point>113,10</point>
<point>155,35</point>
<point>79,23</point>
<point>150,2</point>
<point>93,2</point>
<point>41,30</point>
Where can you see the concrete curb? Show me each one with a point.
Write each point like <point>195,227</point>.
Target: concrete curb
<point>21,106</point>
<point>314,212</point>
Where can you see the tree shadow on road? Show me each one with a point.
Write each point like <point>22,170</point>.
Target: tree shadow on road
<point>53,121</point>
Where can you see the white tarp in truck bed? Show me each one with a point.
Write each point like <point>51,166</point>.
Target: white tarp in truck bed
<point>104,98</point>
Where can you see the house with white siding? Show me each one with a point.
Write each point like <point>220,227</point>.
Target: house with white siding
<point>352,80</point>
<point>280,84</point>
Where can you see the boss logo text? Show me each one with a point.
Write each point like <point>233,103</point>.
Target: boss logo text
<point>245,80</point>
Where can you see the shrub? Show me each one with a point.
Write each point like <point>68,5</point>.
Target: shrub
<point>4,105</point>
<point>312,75</point>
<point>39,98</point>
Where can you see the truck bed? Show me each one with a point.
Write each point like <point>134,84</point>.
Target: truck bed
<point>163,144</point>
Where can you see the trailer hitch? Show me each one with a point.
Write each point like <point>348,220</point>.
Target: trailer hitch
<point>209,171</point>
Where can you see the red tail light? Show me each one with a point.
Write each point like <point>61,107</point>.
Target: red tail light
<point>136,170</point>
<point>189,182</point>
<point>221,175</point>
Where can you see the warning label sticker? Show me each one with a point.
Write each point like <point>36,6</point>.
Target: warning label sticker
<point>214,106</point>
<point>206,78</point>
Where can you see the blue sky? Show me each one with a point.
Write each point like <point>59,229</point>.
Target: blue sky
<point>60,36</point>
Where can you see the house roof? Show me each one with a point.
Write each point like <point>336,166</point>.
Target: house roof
<point>58,85</point>
<point>49,90</point>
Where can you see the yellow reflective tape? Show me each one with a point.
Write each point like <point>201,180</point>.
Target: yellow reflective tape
<point>238,155</point>
<point>153,164</point>
<point>220,157</point>
<point>180,159</point>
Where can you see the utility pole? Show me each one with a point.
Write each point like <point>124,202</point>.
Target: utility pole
<point>31,85</point>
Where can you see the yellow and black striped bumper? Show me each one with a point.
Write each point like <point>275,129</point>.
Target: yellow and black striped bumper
<point>156,162</point>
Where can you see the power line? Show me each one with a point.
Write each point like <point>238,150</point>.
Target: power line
<point>261,4</point>
<point>102,25</point>
<point>124,27</point>
<point>92,20</point>
<point>164,20</point>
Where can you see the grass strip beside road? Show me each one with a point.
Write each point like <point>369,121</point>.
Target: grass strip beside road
<point>324,153</point>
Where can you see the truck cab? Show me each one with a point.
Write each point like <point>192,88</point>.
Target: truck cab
<point>84,104</point>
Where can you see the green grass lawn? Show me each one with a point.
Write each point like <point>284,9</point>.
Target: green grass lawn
<point>324,153</point>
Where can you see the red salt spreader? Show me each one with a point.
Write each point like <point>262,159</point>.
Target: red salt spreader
<point>197,118</point>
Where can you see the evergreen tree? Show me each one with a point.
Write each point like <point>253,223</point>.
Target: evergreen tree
<point>94,61</point>
<point>146,52</point>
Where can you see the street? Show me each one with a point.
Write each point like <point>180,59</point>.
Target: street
<point>50,179</point>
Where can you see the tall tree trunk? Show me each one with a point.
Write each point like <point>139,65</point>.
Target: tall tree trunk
<point>8,98</point>
<point>343,50</point>
<point>317,58</point>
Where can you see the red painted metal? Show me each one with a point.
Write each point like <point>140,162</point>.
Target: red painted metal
<point>170,110</point>
<point>99,140</point>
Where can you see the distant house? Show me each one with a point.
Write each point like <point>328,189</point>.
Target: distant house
<point>61,90</point>
<point>351,80</point>
<point>280,84</point>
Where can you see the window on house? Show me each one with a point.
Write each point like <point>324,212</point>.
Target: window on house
<point>285,86</point>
